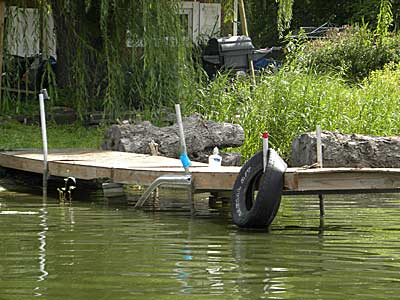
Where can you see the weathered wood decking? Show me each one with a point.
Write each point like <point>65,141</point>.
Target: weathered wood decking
<point>130,168</point>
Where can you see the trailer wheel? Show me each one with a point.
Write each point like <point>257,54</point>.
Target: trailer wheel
<point>256,195</point>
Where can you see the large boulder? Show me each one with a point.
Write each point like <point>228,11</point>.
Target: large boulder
<point>201,137</point>
<point>347,150</point>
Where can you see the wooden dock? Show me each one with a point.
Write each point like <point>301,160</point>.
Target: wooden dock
<point>130,168</point>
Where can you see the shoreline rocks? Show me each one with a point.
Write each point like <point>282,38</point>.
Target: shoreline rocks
<point>347,150</point>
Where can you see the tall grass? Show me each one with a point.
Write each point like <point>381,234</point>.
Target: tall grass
<point>292,102</point>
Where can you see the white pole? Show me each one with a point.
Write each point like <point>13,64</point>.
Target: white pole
<point>180,127</point>
<point>235,17</point>
<point>319,163</point>
<point>265,150</point>
<point>44,137</point>
<point>184,158</point>
<point>319,146</point>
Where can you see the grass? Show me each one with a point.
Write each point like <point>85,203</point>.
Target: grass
<point>16,136</point>
<point>292,102</point>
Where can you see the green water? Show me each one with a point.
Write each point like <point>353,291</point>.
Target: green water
<point>95,250</point>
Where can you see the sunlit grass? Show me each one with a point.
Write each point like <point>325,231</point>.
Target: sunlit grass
<point>292,102</point>
<point>17,136</point>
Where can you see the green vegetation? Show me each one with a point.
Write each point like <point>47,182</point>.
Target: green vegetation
<point>111,57</point>
<point>16,136</point>
<point>287,102</point>
<point>353,53</point>
<point>295,101</point>
<point>348,82</point>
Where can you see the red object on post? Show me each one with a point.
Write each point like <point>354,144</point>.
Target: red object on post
<point>265,149</point>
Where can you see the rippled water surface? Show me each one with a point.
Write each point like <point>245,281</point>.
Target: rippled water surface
<point>95,250</point>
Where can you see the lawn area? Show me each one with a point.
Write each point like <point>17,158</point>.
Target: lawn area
<point>16,136</point>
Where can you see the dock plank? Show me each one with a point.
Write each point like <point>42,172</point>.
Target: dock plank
<point>342,179</point>
<point>119,167</point>
<point>131,168</point>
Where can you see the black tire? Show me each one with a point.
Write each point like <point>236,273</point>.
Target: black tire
<point>257,195</point>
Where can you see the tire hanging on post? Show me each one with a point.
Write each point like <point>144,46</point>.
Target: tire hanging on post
<point>257,195</point>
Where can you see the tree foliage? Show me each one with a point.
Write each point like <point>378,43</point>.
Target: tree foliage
<point>138,56</point>
<point>120,55</point>
<point>385,17</point>
<point>115,56</point>
<point>285,12</point>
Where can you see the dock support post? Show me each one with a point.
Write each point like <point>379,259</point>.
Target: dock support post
<point>320,165</point>
<point>182,141</point>
<point>319,146</point>
<point>191,199</point>
<point>43,96</point>
<point>265,150</point>
<point>321,205</point>
<point>184,158</point>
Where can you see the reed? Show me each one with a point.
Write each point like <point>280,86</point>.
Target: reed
<point>291,102</point>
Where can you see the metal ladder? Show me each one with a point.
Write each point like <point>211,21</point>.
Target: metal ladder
<point>174,180</point>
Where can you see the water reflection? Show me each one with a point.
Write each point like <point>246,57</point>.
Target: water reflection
<point>94,250</point>
<point>42,242</point>
<point>183,272</point>
<point>42,236</point>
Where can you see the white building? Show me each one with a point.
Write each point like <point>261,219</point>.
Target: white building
<point>23,32</point>
<point>202,20</point>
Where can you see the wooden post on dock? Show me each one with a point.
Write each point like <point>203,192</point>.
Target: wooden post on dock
<point>2,12</point>
<point>320,165</point>
<point>319,146</point>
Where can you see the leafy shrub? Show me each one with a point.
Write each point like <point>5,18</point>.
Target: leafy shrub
<point>354,52</point>
<point>292,102</point>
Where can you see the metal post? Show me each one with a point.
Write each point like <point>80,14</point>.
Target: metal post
<point>184,158</point>
<point>265,150</point>
<point>320,165</point>
<point>181,136</point>
<point>42,96</point>
<point>319,147</point>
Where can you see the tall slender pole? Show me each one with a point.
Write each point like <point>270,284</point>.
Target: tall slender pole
<point>319,146</point>
<point>246,33</point>
<point>184,158</point>
<point>243,19</point>
<point>265,150</point>
<point>44,136</point>
<point>235,17</point>
<point>180,127</point>
<point>320,165</point>
<point>2,9</point>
